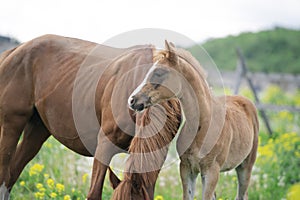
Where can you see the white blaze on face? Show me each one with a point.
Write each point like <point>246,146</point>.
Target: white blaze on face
<point>138,89</point>
<point>4,194</point>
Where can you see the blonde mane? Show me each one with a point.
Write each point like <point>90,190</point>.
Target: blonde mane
<point>149,147</point>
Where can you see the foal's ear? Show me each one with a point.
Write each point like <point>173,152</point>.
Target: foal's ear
<point>171,52</point>
<point>114,180</point>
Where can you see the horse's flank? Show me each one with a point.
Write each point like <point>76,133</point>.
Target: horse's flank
<point>148,150</point>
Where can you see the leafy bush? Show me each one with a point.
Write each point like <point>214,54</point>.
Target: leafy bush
<point>268,51</point>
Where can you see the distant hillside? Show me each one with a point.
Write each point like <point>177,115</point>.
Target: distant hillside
<point>275,50</point>
<point>7,43</point>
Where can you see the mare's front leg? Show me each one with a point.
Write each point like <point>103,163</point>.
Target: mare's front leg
<point>188,180</point>
<point>210,179</point>
<point>104,152</point>
<point>97,181</point>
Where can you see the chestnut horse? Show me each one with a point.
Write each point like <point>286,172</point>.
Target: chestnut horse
<point>220,133</point>
<point>71,89</point>
<point>148,151</point>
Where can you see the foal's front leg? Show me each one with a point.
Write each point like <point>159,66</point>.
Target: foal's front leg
<point>209,182</point>
<point>188,180</point>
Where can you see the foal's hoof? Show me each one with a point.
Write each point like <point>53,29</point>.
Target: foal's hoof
<point>215,196</point>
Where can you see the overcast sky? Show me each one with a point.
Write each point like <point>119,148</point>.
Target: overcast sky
<point>98,21</point>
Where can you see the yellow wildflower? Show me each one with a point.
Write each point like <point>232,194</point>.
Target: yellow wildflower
<point>272,94</point>
<point>84,177</point>
<point>50,183</point>
<point>247,93</point>
<point>294,192</point>
<point>228,91</point>
<point>287,146</point>
<point>234,178</point>
<point>159,197</point>
<point>53,195</point>
<point>288,141</point>
<point>67,197</point>
<point>22,183</point>
<point>60,187</point>
<point>294,138</point>
<point>46,176</point>
<point>297,99</point>
<point>36,169</point>
<point>73,190</point>
<point>285,115</point>
<point>48,145</point>
<point>266,151</point>
<point>39,195</point>
<point>39,186</point>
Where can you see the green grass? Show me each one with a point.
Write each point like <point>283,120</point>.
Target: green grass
<point>275,176</point>
<point>55,167</point>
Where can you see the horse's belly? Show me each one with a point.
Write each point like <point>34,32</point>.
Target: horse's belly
<point>57,115</point>
<point>240,148</point>
<point>232,162</point>
<point>79,145</point>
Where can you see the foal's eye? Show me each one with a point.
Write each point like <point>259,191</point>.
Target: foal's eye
<point>159,72</point>
<point>155,86</point>
<point>158,76</point>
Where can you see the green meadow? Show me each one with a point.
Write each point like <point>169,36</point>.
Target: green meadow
<point>58,173</point>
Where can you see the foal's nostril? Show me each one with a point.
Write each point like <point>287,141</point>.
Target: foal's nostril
<point>139,107</point>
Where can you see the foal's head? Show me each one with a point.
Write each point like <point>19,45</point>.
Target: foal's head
<point>162,81</point>
<point>174,70</point>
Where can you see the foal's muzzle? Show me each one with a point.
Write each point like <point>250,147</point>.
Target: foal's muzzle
<point>139,103</point>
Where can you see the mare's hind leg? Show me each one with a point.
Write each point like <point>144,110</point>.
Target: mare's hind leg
<point>35,134</point>
<point>12,125</point>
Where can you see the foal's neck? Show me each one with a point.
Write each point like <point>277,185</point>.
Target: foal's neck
<point>195,94</point>
<point>196,104</point>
